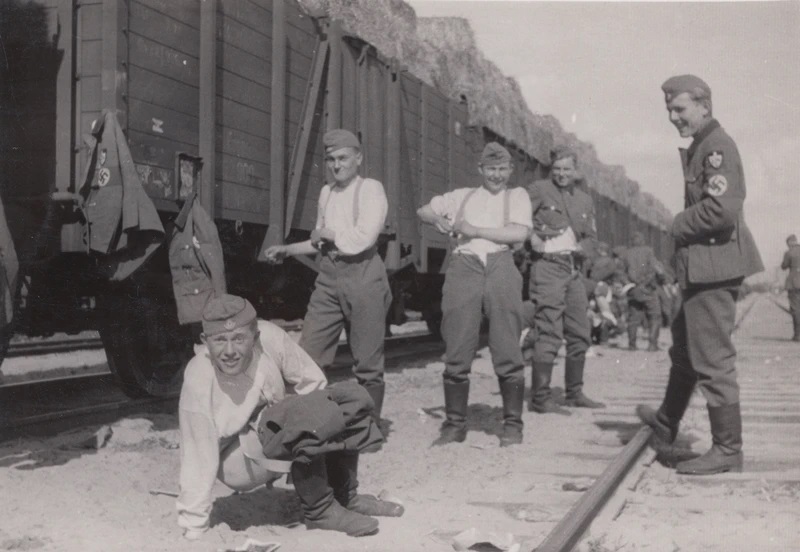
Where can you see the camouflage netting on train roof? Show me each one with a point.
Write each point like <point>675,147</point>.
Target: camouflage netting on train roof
<point>442,52</point>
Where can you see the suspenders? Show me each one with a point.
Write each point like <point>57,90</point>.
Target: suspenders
<point>356,201</point>
<point>506,206</point>
<point>460,216</point>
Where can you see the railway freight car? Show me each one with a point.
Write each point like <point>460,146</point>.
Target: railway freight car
<point>229,100</point>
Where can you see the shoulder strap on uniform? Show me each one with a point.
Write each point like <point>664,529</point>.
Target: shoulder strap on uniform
<point>324,204</point>
<point>357,199</point>
<point>506,206</point>
<point>460,213</point>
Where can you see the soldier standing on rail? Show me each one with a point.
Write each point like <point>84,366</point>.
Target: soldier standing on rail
<point>483,279</point>
<point>352,285</point>
<point>714,253</point>
<point>563,218</point>
<point>791,262</point>
<point>642,269</point>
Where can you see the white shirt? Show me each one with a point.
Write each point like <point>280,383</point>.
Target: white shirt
<point>485,210</point>
<point>335,211</point>
<point>215,408</point>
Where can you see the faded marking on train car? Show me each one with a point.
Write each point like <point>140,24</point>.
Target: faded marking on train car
<point>246,174</point>
<point>158,125</point>
<point>157,181</point>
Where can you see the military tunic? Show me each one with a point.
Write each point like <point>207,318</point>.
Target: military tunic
<point>556,285</point>
<point>791,262</point>
<point>714,253</point>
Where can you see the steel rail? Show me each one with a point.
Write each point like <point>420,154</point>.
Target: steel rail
<point>398,347</point>
<point>566,534</point>
<point>45,347</point>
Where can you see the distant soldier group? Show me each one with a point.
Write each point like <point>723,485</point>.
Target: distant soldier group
<point>241,426</point>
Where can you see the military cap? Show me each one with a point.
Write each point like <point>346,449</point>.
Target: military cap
<point>679,84</point>
<point>562,152</point>
<point>494,154</point>
<point>225,313</point>
<point>340,138</point>
<point>792,238</point>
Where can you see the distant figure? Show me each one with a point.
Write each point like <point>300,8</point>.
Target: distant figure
<point>563,223</point>
<point>714,253</point>
<point>642,269</point>
<point>791,262</point>
<point>352,287</point>
<point>602,277</point>
<point>482,279</point>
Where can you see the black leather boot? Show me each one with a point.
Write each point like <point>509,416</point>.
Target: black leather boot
<point>343,478</point>
<point>726,448</point>
<point>456,400</point>
<point>320,510</point>
<point>513,394</point>
<point>376,393</point>
<point>666,420</point>
<point>573,377</point>
<point>541,398</point>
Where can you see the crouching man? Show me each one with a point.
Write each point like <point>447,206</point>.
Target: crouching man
<point>239,425</point>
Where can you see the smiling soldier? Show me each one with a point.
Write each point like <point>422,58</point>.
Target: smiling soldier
<point>563,221</point>
<point>714,253</point>
<point>235,389</point>
<point>482,279</point>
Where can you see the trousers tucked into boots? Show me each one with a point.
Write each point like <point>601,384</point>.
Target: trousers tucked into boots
<point>573,381</point>
<point>726,448</point>
<point>320,510</point>
<point>513,393</point>
<point>541,397</point>
<point>456,400</point>
<point>343,478</point>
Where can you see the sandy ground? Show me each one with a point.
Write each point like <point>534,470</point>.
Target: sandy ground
<point>59,495</point>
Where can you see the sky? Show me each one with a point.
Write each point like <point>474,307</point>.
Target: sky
<point>598,68</point>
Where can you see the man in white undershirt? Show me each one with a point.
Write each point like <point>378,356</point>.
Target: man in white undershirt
<point>352,285</point>
<point>482,279</point>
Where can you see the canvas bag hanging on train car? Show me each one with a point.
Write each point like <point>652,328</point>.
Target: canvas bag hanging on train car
<point>195,260</point>
<point>122,224</point>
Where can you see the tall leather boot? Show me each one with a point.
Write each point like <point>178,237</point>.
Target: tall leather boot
<point>343,478</point>
<point>513,394</point>
<point>456,400</point>
<point>726,448</point>
<point>376,393</point>
<point>573,378</point>
<point>666,420</point>
<point>320,510</point>
<point>652,335</point>
<point>541,397</point>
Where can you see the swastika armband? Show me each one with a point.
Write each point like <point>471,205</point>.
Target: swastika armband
<point>717,185</point>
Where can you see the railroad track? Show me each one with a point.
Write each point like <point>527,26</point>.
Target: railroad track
<point>623,483</point>
<point>41,347</point>
<point>53,404</point>
<point>640,488</point>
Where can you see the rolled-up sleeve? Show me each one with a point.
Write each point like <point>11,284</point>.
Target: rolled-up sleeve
<point>373,207</point>
<point>520,211</point>
<point>298,369</point>
<point>199,466</point>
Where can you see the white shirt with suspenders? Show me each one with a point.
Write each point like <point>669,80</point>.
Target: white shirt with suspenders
<point>479,207</point>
